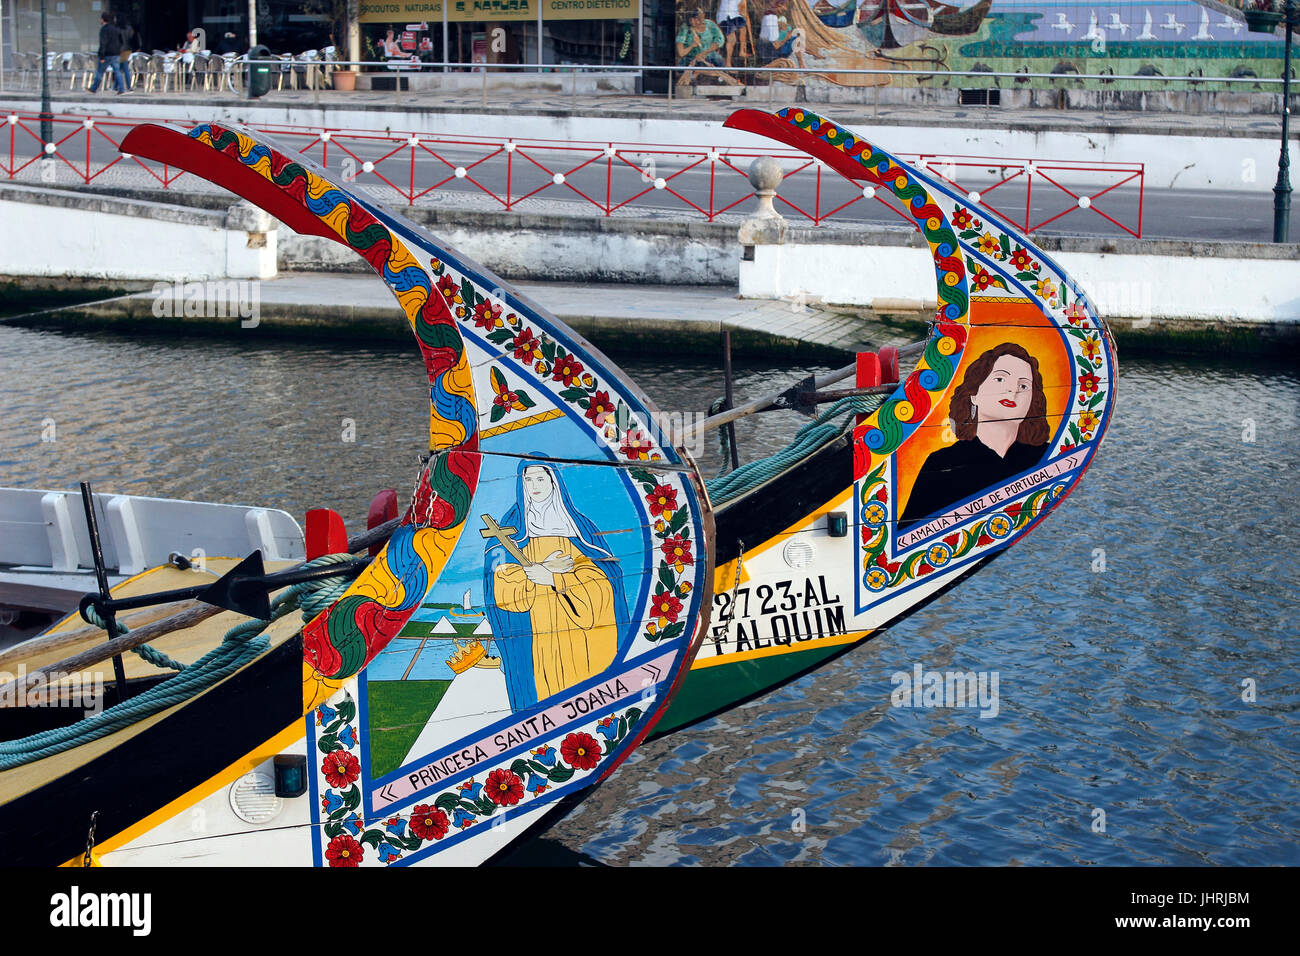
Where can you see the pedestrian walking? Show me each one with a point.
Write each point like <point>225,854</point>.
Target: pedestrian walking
<point>110,52</point>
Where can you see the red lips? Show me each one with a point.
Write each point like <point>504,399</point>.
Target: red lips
<point>1007,403</point>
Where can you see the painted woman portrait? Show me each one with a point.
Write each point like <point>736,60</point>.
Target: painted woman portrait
<point>1000,416</point>
<point>556,615</point>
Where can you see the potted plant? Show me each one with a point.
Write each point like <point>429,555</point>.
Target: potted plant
<point>339,13</point>
<point>1262,16</point>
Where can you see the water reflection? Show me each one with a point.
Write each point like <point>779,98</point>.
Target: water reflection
<point>1122,631</point>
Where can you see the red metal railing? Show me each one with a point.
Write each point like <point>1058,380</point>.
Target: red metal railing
<point>613,178</point>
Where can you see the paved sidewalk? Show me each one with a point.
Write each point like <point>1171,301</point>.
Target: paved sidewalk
<point>612,317</point>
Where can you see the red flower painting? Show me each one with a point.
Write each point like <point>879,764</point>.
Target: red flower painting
<point>662,499</point>
<point>344,851</point>
<point>504,788</point>
<point>526,346</point>
<point>447,286</point>
<point>1021,260</point>
<point>580,750</point>
<point>677,551</point>
<point>566,370</point>
<point>429,823</point>
<point>341,769</point>
<point>666,607</point>
<point>487,315</point>
<point>635,447</point>
<point>599,408</point>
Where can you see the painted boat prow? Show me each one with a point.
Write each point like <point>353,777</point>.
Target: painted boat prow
<point>923,503</point>
<point>596,594</point>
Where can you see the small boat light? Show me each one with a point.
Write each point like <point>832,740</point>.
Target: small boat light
<point>290,775</point>
<point>837,524</point>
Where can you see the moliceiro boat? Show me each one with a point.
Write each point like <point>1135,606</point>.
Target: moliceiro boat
<point>562,584</point>
<point>991,429</point>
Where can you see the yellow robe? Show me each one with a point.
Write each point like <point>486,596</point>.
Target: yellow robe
<point>575,633</point>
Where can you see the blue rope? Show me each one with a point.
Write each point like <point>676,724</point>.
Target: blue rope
<point>241,644</point>
<point>822,430</point>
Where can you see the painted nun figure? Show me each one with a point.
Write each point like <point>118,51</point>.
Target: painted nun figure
<point>558,618</point>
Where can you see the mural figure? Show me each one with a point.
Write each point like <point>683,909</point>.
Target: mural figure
<point>922,40</point>
<point>554,594</point>
<point>733,20</point>
<point>779,39</point>
<point>699,42</point>
<point>1000,417</point>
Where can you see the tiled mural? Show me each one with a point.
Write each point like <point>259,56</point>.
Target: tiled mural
<point>720,40</point>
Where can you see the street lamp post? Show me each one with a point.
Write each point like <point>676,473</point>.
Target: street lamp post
<point>1264,18</point>
<point>47,119</point>
<point>1282,191</point>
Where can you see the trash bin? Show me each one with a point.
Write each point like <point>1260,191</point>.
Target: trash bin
<point>260,66</point>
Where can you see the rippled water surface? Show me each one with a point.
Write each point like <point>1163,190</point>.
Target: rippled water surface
<point>1125,630</point>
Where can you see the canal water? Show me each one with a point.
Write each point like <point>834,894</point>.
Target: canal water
<point>1144,636</point>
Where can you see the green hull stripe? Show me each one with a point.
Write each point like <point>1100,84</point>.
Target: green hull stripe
<point>709,689</point>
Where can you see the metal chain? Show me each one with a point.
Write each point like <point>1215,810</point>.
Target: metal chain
<point>423,521</point>
<point>90,839</point>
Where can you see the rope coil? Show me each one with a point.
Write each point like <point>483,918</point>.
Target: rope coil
<point>241,644</point>
<point>810,439</point>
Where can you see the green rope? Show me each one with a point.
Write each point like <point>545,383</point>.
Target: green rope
<point>241,644</point>
<point>151,654</point>
<point>822,430</point>
<point>724,435</point>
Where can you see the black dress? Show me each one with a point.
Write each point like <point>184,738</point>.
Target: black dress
<point>961,471</point>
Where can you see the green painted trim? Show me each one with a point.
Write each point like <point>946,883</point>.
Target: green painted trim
<point>709,690</point>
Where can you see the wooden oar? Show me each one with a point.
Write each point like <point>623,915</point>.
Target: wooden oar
<point>57,642</point>
<point>819,382</point>
<point>187,618</point>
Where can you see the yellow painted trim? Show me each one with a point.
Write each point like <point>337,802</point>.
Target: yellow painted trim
<point>840,639</point>
<point>277,744</point>
<point>522,423</point>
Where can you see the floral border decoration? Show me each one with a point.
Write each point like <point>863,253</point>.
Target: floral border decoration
<point>345,836</point>
<point>539,352</point>
<point>673,531</point>
<point>881,574</point>
<point>1001,248</point>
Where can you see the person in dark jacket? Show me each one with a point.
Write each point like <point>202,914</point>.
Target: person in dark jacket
<point>110,52</point>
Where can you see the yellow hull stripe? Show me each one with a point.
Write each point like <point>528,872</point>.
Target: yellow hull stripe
<point>250,761</point>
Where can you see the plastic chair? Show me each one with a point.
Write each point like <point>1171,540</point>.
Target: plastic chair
<point>286,69</point>
<point>305,66</point>
<point>183,67</point>
<point>233,71</point>
<point>197,71</point>
<point>140,66</point>
<point>82,64</point>
<point>166,69</point>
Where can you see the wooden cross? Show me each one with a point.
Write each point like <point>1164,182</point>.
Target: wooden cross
<point>492,530</point>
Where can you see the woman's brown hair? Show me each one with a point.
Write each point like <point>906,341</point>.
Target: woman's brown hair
<point>1033,430</point>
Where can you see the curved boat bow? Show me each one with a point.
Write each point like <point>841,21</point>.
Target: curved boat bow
<point>539,512</point>
<point>991,431</point>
